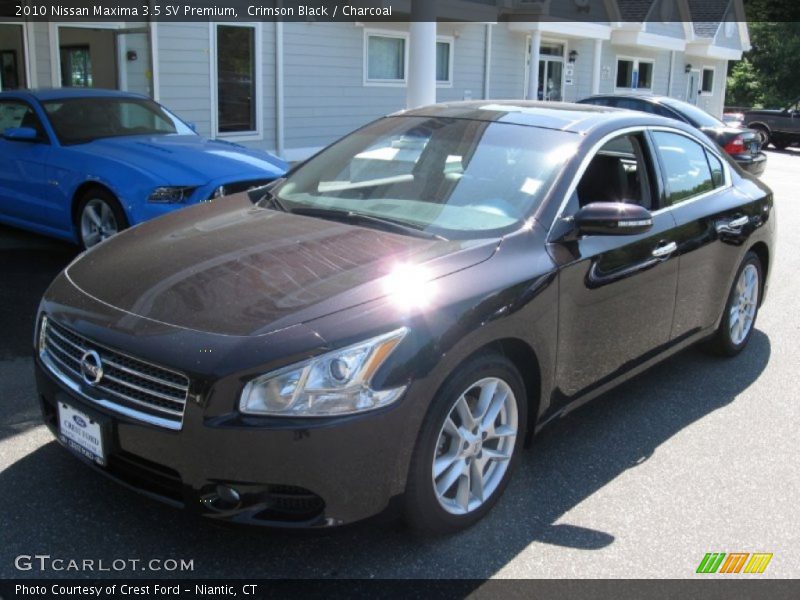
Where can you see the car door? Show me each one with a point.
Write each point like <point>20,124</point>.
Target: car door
<point>616,293</point>
<point>23,165</point>
<point>713,219</point>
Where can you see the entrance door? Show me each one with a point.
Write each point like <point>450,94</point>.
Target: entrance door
<point>692,90</point>
<point>551,80</point>
<point>551,71</point>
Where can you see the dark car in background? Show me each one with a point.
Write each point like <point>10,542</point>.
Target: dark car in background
<point>396,317</point>
<point>743,144</point>
<point>779,127</point>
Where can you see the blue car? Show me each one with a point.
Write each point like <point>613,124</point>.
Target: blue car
<point>83,164</point>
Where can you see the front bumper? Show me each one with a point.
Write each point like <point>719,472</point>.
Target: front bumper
<point>287,473</point>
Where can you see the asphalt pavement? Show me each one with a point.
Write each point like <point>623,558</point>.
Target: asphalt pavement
<point>697,455</point>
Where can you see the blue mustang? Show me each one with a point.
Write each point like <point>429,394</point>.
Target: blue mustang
<point>83,164</point>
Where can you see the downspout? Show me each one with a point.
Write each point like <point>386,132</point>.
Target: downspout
<point>669,74</point>
<point>279,107</point>
<point>487,62</point>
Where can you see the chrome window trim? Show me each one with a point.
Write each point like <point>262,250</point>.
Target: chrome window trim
<point>639,129</point>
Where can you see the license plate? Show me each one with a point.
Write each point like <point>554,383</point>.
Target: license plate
<point>81,433</point>
<point>754,148</point>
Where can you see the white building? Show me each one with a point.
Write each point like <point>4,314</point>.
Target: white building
<point>293,87</point>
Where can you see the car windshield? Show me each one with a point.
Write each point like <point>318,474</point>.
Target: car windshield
<point>81,120</point>
<point>455,178</point>
<point>697,116</point>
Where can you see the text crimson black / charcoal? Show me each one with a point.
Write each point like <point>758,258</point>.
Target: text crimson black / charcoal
<point>317,11</point>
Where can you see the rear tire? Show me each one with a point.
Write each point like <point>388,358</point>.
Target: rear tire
<point>99,217</point>
<point>468,446</point>
<point>741,309</point>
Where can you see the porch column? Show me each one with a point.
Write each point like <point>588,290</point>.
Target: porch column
<point>598,51</point>
<point>533,75</point>
<point>422,55</point>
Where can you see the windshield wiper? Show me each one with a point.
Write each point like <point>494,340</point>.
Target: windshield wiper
<point>349,216</point>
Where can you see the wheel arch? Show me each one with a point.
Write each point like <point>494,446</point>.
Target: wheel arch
<point>82,189</point>
<point>762,251</point>
<point>526,361</point>
<point>760,125</point>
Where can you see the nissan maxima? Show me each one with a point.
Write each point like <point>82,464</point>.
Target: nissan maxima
<point>390,323</point>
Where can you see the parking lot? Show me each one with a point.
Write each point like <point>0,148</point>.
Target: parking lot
<point>697,455</point>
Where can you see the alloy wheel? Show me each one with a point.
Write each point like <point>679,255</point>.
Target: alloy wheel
<point>475,446</point>
<point>744,304</point>
<point>97,222</point>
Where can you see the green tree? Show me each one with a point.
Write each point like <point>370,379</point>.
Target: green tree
<point>769,74</point>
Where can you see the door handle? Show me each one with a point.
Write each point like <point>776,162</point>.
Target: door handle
<point>739,222</point>
<point>732,226</point>
<point>665,250</point>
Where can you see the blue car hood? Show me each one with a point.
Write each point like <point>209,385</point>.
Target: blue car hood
<point>187,159</point>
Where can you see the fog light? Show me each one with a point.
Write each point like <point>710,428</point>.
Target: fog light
<point>228,494</point>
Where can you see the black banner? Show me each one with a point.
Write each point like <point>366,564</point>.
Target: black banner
<point>715,589</point>
<point>592,11</point>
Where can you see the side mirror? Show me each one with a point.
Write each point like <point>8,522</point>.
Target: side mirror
<point>21,134</point>
<point>613,218</point>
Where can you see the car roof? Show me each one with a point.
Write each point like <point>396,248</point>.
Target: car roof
<point>651,98</point>
<point>564,116</point>
<point>44,94</point>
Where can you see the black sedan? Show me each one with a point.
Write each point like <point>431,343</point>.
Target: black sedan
<point>391,323</point>
<point>743,144</point>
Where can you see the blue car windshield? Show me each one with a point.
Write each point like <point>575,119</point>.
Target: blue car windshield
<point>456,178</point>
<point>82,120</point>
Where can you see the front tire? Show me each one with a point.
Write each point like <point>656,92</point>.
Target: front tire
<point>468,446</point>
<point>99,217</point>
<point>741,309</point>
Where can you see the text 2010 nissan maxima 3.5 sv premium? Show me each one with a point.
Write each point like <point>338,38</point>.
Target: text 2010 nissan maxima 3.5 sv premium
<point>391,322</point>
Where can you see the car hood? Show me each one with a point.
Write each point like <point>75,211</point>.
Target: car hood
<point>231,268</point>
<point>187,159</point>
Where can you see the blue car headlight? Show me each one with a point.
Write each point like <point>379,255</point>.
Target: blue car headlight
<point>335,383</point>
<point>171,194</point>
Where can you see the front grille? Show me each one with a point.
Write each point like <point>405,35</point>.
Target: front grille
<point>131,386</point>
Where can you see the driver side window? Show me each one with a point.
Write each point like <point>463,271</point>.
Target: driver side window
<point>14,113</point>
<point>618,173</point>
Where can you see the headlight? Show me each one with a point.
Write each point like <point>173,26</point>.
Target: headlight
<point>171,195</point>
<point>332,384</point>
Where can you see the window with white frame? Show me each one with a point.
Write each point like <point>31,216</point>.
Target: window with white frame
<point>386,57</point>
<point>707,84</point>
<point>236,74</point>
<point>444,61</point>
<point>634,74</point>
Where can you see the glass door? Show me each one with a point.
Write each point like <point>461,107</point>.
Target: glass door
<point>551,80</point>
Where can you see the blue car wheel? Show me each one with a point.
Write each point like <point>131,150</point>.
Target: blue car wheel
<point>99,217</point>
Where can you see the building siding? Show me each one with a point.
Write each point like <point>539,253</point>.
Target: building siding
<point>325,95</point>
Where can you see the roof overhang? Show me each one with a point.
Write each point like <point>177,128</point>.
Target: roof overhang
<point>706,49</point>
<point>637,37</point>
<point>567,29</point>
